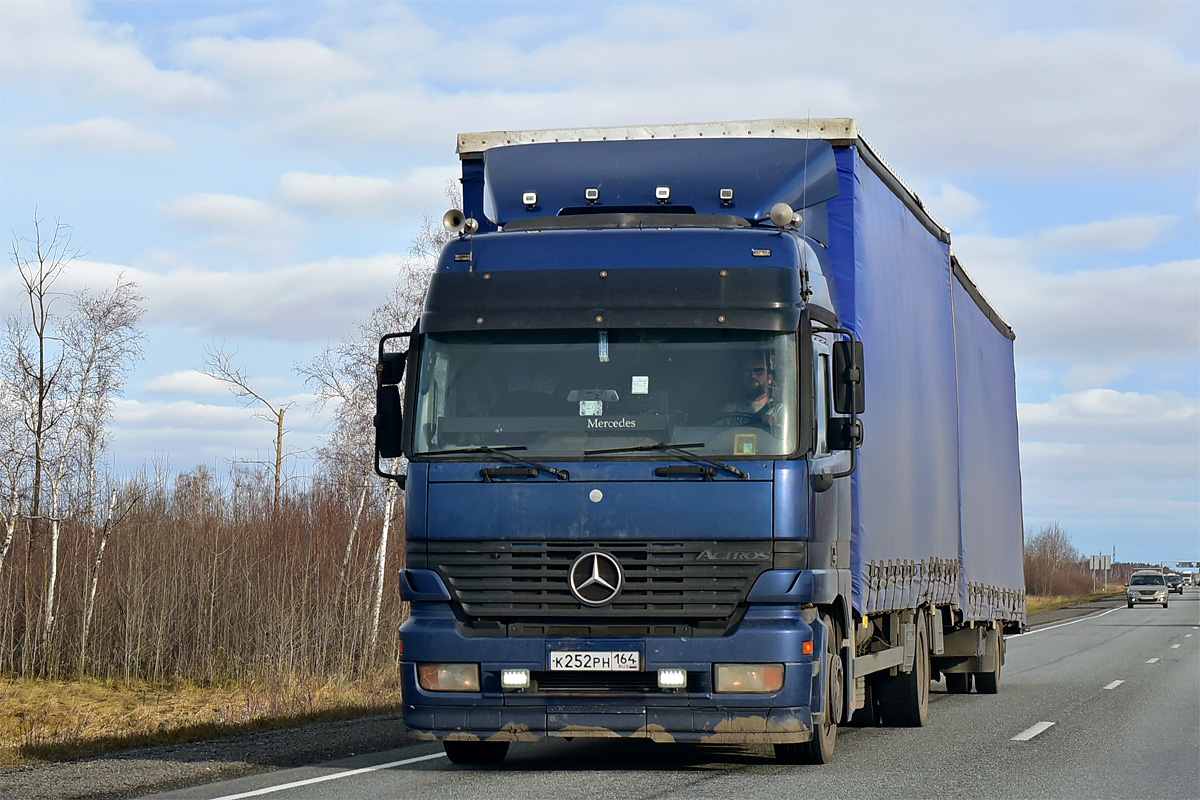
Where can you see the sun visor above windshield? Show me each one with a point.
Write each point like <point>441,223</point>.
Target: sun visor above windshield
<point>699,176</point>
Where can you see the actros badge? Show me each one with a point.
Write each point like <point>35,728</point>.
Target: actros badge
<point>596,578</point>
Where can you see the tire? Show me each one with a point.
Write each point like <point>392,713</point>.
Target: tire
<point>989,682</point>
<point>475,752</point>
<point>904,699</point>
<point>958,682</point>
<point>1130,602</point>
<point>819,749</point>
<point>1164,603</point>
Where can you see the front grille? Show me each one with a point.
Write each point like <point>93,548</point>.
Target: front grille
<point>670,589</point>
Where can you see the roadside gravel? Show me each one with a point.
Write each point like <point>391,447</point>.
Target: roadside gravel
<point>136,773</point>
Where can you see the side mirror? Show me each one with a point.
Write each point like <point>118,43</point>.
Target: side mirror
<point>844,433</point>
<point>389,420</point>
<point>849,396</point>
<point>389,409</point>
<point>389,414</point>
<point>390,369</point>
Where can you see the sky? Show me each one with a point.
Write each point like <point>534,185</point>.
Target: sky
<point>260,169</point>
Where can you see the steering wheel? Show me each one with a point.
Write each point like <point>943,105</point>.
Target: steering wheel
<point>741,419</point>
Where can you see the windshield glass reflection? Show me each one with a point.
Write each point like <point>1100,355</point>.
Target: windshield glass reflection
<point>560,393</point>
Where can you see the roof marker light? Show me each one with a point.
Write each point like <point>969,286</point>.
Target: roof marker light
<point>726,196</point>
<point>529,199</point>
<point>662,193</point>
<point>591,195</point>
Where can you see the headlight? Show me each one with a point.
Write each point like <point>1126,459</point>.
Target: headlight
<point>448,677</point>
<point>748,678</point>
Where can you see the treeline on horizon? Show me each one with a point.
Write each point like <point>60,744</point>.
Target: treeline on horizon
<point>204,577</point>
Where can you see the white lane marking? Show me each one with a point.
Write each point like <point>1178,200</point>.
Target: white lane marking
<point>1114,684</point>
<point>1175,647</point>
<point>1064,624</point>
<point>1152,660</point>
<point>335,776</point>
<point>1029,733</point>
<point>1187,636</point>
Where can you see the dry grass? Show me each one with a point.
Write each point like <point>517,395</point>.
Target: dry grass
<point>1035,604</point>
<point>51,720</point>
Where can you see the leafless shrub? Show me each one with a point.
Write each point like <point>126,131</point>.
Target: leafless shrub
<point>1053,567</point>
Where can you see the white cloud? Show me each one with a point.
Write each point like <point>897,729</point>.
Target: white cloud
<point>1120,414</point>
<point>49,44</point>
<point>101,136</point>
<point>1115,468</point>
<point>189,433</point>
<point>1125,234</point>
<point>1093,375</point>
<point>293,67</point>
<point>1083,316</point>
<point>312,302</point>
<point>953,205</point>
<point>185,382</point>
<point>230,214</point>
<point>359,196</point>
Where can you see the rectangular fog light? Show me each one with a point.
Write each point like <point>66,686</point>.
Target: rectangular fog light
<point>672,679</point>
<point>748,678</point>
<point>448,677</point>
<point>514,679</point>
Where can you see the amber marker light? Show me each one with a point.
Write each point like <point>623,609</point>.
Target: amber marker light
<point>807,648</point>
<point>748,678</point>
<point>449,677</point>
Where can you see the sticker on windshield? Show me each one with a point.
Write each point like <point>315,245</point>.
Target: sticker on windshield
<point>641,384</point>
<point>591,408</point>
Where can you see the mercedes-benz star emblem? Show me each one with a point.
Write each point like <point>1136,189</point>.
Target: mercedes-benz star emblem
<point>596,578</point>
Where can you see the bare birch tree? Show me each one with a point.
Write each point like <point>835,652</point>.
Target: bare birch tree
<point>61,374</point>
<point>218,364</point>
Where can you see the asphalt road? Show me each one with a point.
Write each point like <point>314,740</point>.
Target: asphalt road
<point>1102,706</point>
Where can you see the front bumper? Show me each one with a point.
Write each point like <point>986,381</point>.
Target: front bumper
<point>696,714</point>
<point>599,719</point>
<point>1157,597</point>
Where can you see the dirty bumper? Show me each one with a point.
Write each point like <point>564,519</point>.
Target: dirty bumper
<point>713,726</point>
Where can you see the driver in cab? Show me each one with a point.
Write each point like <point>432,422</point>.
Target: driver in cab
<point>755,406</point>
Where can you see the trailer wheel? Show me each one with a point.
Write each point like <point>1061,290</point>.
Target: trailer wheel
<point>958,682</point>
<point>475,752</point>
<point>989,682</point>
<point>904,699</point>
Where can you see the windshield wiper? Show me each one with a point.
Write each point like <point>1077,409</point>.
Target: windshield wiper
<point>677,449</point>
<point>503,455</point>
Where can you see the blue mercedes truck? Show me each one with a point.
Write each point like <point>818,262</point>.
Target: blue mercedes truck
<point>706,436</point>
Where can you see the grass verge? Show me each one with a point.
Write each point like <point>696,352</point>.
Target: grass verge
<point>44,720</point>
<point>1036,604</point>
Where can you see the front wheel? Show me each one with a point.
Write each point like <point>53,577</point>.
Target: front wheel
<point>475,752</point>
<point>819,749</point>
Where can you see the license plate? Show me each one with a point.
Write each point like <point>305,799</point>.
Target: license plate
<point>595,660</point>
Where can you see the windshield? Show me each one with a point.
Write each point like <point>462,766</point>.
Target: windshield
<point>559,393</point>
<point>1146,580</point>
